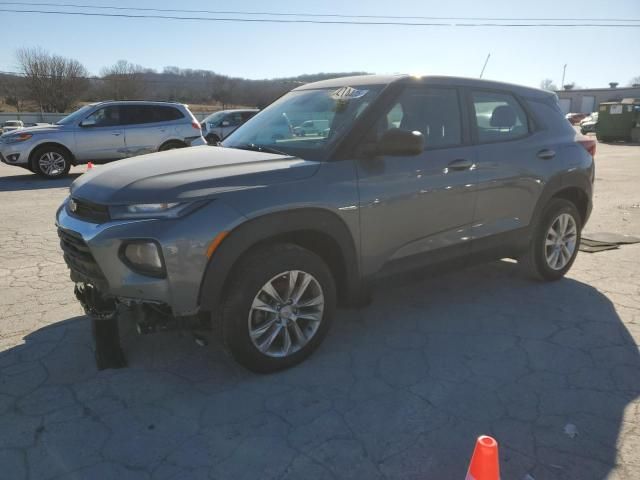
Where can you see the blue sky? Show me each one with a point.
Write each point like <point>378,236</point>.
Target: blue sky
<point>595,56</point>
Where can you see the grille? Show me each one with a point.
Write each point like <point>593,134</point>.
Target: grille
<point>79,258</point>
<point>91,212</point>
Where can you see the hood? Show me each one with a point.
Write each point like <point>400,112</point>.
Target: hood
<point>187,174</point>
<point>35,130</point>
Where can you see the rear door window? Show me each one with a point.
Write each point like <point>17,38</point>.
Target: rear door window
<point>498,117</point>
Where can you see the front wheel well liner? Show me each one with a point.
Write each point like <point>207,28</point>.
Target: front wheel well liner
<point>317,230</point>
<point>320,243</point>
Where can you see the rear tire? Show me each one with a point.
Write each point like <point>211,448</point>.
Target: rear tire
<point>251,316</point>
<point>551,255</point>
<point>51,162</point>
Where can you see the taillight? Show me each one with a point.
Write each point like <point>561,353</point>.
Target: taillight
<point>588,144</point>
<point>196,125</point>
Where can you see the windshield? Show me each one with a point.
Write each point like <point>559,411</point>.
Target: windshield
<point>11,124</point>
<point>214,119</point>
<point>75,116</point>
<point>305,123</point>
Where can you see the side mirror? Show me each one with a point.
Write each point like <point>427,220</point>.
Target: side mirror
<point>398,142</point>
<point>88,122</point>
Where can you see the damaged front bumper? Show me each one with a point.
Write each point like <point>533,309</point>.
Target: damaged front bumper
<point>94,254</point>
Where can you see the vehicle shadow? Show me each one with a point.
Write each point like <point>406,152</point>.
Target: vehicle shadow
<point>31,181</point>
<point>400,389</point>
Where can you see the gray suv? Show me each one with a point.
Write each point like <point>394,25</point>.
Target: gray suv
<point>101,132</point>
<point>260,238</point>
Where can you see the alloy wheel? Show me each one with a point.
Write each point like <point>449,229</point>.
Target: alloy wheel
<point>560,242</point>
<point>52,164</point>
<point>286,313</point>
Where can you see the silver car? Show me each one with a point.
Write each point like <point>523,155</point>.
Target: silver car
<point>219,125</point>
<point>101,132</point>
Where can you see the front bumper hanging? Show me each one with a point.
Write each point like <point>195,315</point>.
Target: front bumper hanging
<point>103,312</point>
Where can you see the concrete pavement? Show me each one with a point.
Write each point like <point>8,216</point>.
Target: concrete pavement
<point>399,390</point>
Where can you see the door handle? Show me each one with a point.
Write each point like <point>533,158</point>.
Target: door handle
<point>116,134</point>
<point>546,154</point>
<point>460,164</point>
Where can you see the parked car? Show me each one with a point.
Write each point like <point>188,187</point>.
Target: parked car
<point>588,124</point>
<point>312,127</point>
<point>101,132</point>
<point>12,125</point>
<point>265,234</point>
<point>575,118</point>
<point>219,125</point>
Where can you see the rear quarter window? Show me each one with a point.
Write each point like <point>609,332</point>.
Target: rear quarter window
<point>167,114</point>
<point>499,117</point>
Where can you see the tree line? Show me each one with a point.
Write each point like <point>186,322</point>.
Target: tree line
<point>53,83</point>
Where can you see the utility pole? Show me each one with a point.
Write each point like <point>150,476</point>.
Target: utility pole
<point>485,65</point>
<point>564,70</point>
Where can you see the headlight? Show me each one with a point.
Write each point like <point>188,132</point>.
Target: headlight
<point>143,256</point>
<point>154,210</point>
<point>22,137</point>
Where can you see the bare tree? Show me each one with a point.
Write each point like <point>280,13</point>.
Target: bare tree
<point>54,82</point>
<point>547,84</point>
<point>13,90</point>
<point>635,81</point>
<point>123,80</point>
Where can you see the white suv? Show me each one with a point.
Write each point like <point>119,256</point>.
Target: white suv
<point>101,132</point>
<point>11,125</point>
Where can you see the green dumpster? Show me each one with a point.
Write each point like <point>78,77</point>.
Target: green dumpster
<point>616,120</point>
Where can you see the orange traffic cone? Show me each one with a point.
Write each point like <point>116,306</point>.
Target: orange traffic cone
<point>89,166</point>
<point>485,464</point>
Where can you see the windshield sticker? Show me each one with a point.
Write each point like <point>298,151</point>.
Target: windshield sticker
<point>347,93</point>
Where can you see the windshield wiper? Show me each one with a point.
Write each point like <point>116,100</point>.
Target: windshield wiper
<point>259,148</point>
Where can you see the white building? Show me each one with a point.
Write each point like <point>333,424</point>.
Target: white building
<point>587,100</point>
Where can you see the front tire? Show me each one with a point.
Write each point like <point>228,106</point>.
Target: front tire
<point>51,162</point>
<point>278,307</point>
<point>555,242</point>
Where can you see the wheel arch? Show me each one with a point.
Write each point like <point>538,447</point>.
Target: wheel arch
<point>578,197</point>
<point>170,141</point>
<point>314,229</point>
<point>575,187</point>
<point>35,149</point>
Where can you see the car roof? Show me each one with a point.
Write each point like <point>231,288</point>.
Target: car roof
<point>138,102</point>
<point>238,110</point>
<point>362,80</point>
